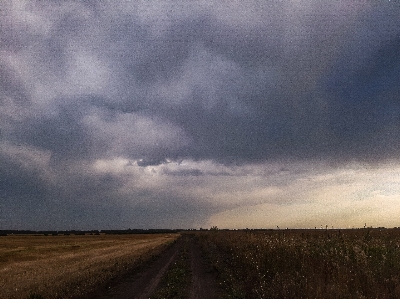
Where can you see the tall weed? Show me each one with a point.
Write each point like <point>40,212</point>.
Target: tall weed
<point>306,263</point>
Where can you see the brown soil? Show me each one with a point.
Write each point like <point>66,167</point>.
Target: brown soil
<point>203,279</point>
<point>144,282</point>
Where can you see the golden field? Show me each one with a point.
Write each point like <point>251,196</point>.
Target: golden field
<point>70,266</point>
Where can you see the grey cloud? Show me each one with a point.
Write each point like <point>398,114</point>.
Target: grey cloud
<point>12,87</point>
<point>184,172</point>
<point>62,133</point>
<point>73,196</point>
<point>22,182</point>
<point>151,162</point>
<point>239,91</point>
<point>234,84</point>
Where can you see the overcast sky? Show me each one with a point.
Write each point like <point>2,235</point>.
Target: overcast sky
<point>181,114</point>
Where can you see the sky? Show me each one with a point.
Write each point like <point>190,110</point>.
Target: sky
<point>188,114</point>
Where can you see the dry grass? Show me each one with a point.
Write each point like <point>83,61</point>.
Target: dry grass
<point>69,266</point>
<point>306,264</point>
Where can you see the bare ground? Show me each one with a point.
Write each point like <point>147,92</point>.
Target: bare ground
<point>203,279</point>
<point>144,282</point>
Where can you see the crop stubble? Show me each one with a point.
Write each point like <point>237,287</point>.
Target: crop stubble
<point>70,266</point>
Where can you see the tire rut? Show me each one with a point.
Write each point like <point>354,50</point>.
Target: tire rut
<point>144,283</point>
<point>203,280</point>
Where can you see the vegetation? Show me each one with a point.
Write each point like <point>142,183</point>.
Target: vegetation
<point>70,266</point>
<point>360,263</point>
<point>176,282</point>
<point>35,296</point>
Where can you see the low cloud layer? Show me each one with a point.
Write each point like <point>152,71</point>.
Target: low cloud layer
<point>191,99</point>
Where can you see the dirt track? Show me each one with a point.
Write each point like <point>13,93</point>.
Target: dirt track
<point>203,281</point>
<point>143,283</point>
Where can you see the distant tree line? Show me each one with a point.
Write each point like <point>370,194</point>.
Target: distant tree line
<point>88,232</point>
<point>148,231</point>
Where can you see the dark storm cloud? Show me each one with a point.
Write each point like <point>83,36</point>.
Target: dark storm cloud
<point>24,194</point>
<point>253,91</point>
<point>62,133</point>
<point>363,88</point>
<point>12,87</point>
<point>271,100</point>
<point>241,83</point>
<point>22,182</point>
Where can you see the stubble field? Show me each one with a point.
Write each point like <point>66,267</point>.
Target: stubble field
<point>359,263</point>
<point>70,266</point>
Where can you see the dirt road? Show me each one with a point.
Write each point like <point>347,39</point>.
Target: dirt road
<point>203,280</point>
<point>142,284</point>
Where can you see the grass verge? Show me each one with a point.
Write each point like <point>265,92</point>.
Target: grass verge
<point>177,279</point>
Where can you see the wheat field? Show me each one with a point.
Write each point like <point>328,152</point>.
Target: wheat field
<point>70,266</point>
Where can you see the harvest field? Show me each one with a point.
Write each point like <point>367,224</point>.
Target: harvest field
<point>359,263</point>
<point>70,266</point>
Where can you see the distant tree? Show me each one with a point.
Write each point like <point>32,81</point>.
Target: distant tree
<point>214,228</point>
